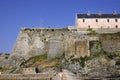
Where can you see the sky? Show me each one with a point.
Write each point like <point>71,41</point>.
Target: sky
<point>15,14</point>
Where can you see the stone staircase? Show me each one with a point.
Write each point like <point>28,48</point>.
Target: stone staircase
<point>68,75</point>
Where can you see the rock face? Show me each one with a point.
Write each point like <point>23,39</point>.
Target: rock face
<point>3,59</point>
<point>98,67</point>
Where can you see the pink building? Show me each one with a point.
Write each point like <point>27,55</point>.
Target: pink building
<point>97,20</point>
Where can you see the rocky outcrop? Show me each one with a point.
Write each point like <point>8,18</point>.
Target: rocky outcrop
<point>98,67</point>
<point>3,59</point>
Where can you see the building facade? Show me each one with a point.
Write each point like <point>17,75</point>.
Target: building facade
<point>97,20</point>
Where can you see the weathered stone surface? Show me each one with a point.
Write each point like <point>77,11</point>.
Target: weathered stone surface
<point>31,42</point>
<point>69,47</point>
<point>95,46</point>
<point>111,45</point>
<point>81,48</point>
<point>29,71</point>
<point>110,42</point>
<point>100,67</point>
<point>4,60</point>
<point>55,48</point>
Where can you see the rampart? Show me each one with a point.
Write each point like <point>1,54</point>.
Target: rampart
<point>57,41</point>
<point>52,41</point>
<point>35,41</point>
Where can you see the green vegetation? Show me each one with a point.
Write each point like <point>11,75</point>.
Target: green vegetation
<point>98,54</point>
<point>38,58</point>
<point>3,69</point>
<point>0,68</point>
<point>32,61</point>
<point>81,60</point>
<point>6,57</point>
<point>91,44</point>
<point>59,60</point>
<point>114,34</point>
<point>43,62</point>
<point>91,31</point>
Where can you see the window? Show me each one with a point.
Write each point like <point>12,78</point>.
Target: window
<point>88,26</point>
<point>116,26</point>
<point>83,20</point>
<point>116,20</point>
<point>107,20</point>
<point>96,20</point>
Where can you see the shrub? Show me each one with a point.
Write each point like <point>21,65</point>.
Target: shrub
<point>81,60</point>
<point>91,31</point>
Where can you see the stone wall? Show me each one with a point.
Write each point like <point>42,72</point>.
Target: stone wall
<point>110,42</point>
<point>37,41</point>
<point>28,71</point>
<point>54,42</point>
<point>69,47</point>
<point>107,30</point>
<point>55,48</point>
<point>39,76</point>
<point>81,48</point>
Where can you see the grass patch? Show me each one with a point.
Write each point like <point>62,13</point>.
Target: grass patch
<point>38,58</point>
<point>43,62</point>
<point>31,61</point>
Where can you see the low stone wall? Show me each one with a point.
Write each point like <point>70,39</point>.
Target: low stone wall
<point>39,76</point>
<point>29,71</point>
<point>101,79</point>
<point>108,30</point>
<point>99,30</point>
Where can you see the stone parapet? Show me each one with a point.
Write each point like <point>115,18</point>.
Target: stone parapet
<point>39,76</point>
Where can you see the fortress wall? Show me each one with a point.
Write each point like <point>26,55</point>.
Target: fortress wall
<point>34,41</point>
<point>53,42</point>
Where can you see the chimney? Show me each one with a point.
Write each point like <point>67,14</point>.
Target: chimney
<point>114,13</point>
<point>100,13</point>
<point>88,13</point>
